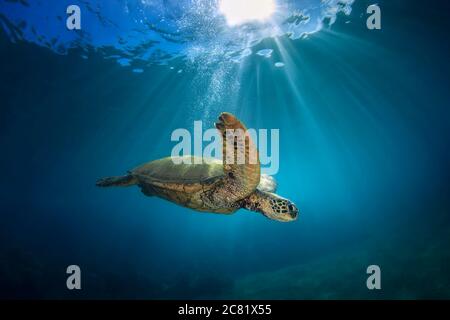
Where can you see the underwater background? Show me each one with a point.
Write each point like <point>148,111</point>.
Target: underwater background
<point>364,119</point>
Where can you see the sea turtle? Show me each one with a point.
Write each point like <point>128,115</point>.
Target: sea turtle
<point>212,186</point>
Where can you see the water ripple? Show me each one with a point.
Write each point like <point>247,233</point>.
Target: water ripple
<point>158,31</point>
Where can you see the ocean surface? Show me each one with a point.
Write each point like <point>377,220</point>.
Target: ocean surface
<point>364,120</point>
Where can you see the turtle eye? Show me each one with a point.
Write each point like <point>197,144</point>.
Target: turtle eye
<point>291,208</point>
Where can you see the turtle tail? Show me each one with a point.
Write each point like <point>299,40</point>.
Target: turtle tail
<point>122,181</point>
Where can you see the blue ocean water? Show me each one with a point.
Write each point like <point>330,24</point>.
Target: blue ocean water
<point>364,149</point>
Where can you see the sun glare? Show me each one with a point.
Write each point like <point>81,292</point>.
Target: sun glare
<point>238,12</point>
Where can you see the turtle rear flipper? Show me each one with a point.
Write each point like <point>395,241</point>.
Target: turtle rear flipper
<point>122,181</point>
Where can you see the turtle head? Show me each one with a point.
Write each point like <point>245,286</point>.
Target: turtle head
<point>272,206</point>
<point>278,208</point>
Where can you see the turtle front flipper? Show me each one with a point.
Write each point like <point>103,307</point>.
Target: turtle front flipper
<point>240,158</point>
